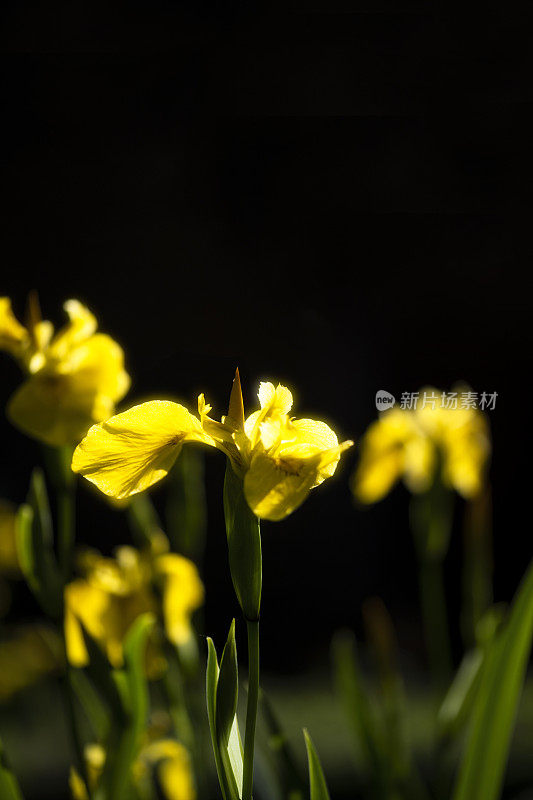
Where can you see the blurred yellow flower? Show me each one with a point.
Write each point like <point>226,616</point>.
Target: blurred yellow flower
<point>169,757</point>
<point>113,592</point>
<point>33,652</point>
<point>173,765</point>
<point>413,444</point>
<point>279,458</point>
<point>75,377</point>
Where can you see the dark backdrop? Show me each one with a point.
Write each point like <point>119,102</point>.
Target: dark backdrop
<point>335,198</point>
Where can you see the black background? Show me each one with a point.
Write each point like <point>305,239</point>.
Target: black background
<point>336,198</point>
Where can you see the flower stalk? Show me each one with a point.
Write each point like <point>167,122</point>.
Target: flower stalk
<point>245,559</point>
<point>431,522</point>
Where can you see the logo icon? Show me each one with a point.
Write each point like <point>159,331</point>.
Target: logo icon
<point>384,400</point>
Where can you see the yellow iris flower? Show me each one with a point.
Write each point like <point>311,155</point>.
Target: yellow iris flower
<point>411,444</point>
<point>75,377</point>
<point>169,757</point>
<point>279,458</point>
<point>115,591</point>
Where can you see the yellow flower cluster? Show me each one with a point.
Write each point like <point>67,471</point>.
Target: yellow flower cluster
<point>113,592</point>
<point>279,458</point>
<point>75,377</point>
<point>169,757</point>
<point>413,444</point>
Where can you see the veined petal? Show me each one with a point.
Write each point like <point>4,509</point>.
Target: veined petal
<point>131,451</point>
<point>314,433</point>
<point>275,487</point>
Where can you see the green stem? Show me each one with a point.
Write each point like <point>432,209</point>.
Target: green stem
<point>431,521</point>
<point>57,460</point>
<point>435,618</point>
<point>66,510</point>
<point>69,699</point>
<point>251,708</point>
<point>477,569</point>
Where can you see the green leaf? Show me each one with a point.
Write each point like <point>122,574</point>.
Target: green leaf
<point>224,756</point>
<point>356,702</point>
<point>125,739</point>
<point>457,704</point>
<point>235,753</point>
<point>317,781</point>
<point>34,539</point>
<point>100,672</point>
<point>143,518</point>
<point>25,549</point>
<point>38,499</point>
<point>482,770</point>
<point>227,688</point>
<point>211,696</point>
<point>244,546</point>
<point>292,784</point>
<point>9,787</point>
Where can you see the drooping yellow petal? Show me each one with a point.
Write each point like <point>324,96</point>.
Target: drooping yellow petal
<point>183,593</point>
<point>393,447</point>
<point>87,604</point>
<point>13,335</point>
<point>76,784</point>
<point>275,486</point>
<point>131,451</point>
<point>462,435</point>
<point>311,437</point>
<point>174,768</point>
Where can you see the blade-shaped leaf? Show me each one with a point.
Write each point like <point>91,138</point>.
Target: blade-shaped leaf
<point>235,753</point>
<point>459,698</point>
<point>211,697</point>
<point>356,702</point>
<point>227,763</point>
<point>34,550</point>
<point>227,688</point>
<point>317,781</point>
<point>483,766</point>
<point>125,740</point>
<point>9,787</point>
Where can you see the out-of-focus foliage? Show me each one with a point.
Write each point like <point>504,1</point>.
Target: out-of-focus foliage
<point>27,655</point>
